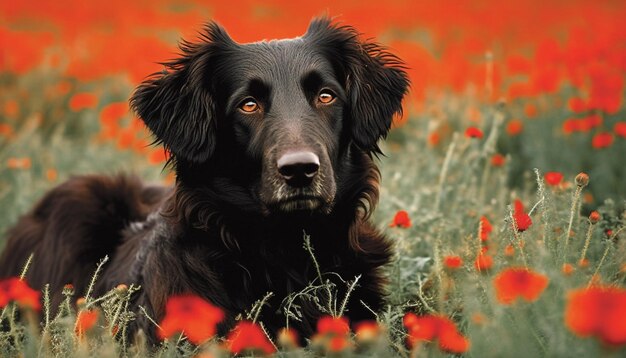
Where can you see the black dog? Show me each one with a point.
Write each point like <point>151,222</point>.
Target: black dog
<point>269,140</point>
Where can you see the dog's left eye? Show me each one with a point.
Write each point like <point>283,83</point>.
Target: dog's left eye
<point>249,105</point>
<point>326,96</point>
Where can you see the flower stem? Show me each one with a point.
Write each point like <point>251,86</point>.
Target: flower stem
<point>571,220</point>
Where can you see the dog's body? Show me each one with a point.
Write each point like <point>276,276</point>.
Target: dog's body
<point>269,141</point>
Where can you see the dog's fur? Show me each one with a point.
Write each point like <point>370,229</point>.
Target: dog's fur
<point>231,229</point>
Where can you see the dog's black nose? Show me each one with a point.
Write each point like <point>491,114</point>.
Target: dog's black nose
<point>298,168</point>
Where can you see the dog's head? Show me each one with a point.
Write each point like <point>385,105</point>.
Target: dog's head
<point>278,118</point>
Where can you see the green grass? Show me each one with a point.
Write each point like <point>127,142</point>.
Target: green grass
<point>445,190</point>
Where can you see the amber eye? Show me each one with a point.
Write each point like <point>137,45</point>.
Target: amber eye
<point>326,96</point>
<point>249,105</point>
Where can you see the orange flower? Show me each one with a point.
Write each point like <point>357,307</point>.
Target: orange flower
<point>452,262</point>
<point>367,331</point>
<point>514,283</point>
<point>497,160</point>
<point>288,338</point>
<point>514,127</point>
<point>6,130</point>
<point>84,100</point>
<point>52,174</point>
<point>401,219</point>
<point>509,250</point>
<point>485,228</point>
<point>598,311</point>
<point>530,110</point>
<point>191,315</point>
<point>11,108</point>
<point>429,328</point>
<point>85,321</point>
<point>15,290</point>
<point>553,178</point>
<point>567,269</point>
<point>433,139</point>
<point>333,325</point>
<point>583,263</point>
<point>158,156</point>
<point>522,220</point>
<point>602,140</point>
<point>594,217</point>
<point>483,262</point>
<point>620,129</point>
<point>19,163</point>
<point>473,132</point>
<point>248,336</point>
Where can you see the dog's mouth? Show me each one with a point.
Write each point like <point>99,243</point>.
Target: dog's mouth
<point>298,203</point>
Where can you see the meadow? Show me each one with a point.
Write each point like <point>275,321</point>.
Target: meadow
<point>503,183</point>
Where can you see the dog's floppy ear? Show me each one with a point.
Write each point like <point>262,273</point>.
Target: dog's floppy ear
<point>178,104</point>
<point>375,80</point>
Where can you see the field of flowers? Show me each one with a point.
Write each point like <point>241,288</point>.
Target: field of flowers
<point>504,184</point>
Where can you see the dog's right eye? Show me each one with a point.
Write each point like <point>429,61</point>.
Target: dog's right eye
<point>249,105</point>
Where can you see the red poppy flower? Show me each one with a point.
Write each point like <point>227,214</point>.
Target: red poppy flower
<point>514,283</point>
<point>497,160</point>
<point>620,129</point>
<point>401,219</point>
<point>570,126</point>
<point>82,101</point>
<point>522,219</point>
<point>483,262</point>
<point>530,110</point>
<point>333,325</point>
<point>598,311</point>
<point>485,228</point>
<point>85,321</point>
<point>429,328</point>
<point>473,132</point>
<point>514,127</point>
<point>112,113</point>
<point>452,262</point>
<point>553,178</point>
<point>191,315</point>
<point>577,105</point>
<point>248,336</point>
<point>592,121</point>
<point>338,344</point>
<point>602,140</point>
<point>15,290</point>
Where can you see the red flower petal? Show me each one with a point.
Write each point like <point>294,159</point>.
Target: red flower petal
<point>249,336</point>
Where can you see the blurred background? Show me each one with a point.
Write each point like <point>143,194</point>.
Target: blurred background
<point>554,68</point>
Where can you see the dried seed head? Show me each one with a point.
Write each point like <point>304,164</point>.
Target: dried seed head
<point>594,217</point>
<point>582,179</point>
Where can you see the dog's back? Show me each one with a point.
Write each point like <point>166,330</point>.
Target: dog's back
<point>74,226</point>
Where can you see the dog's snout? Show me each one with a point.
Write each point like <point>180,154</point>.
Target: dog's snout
<point>298,168</point>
